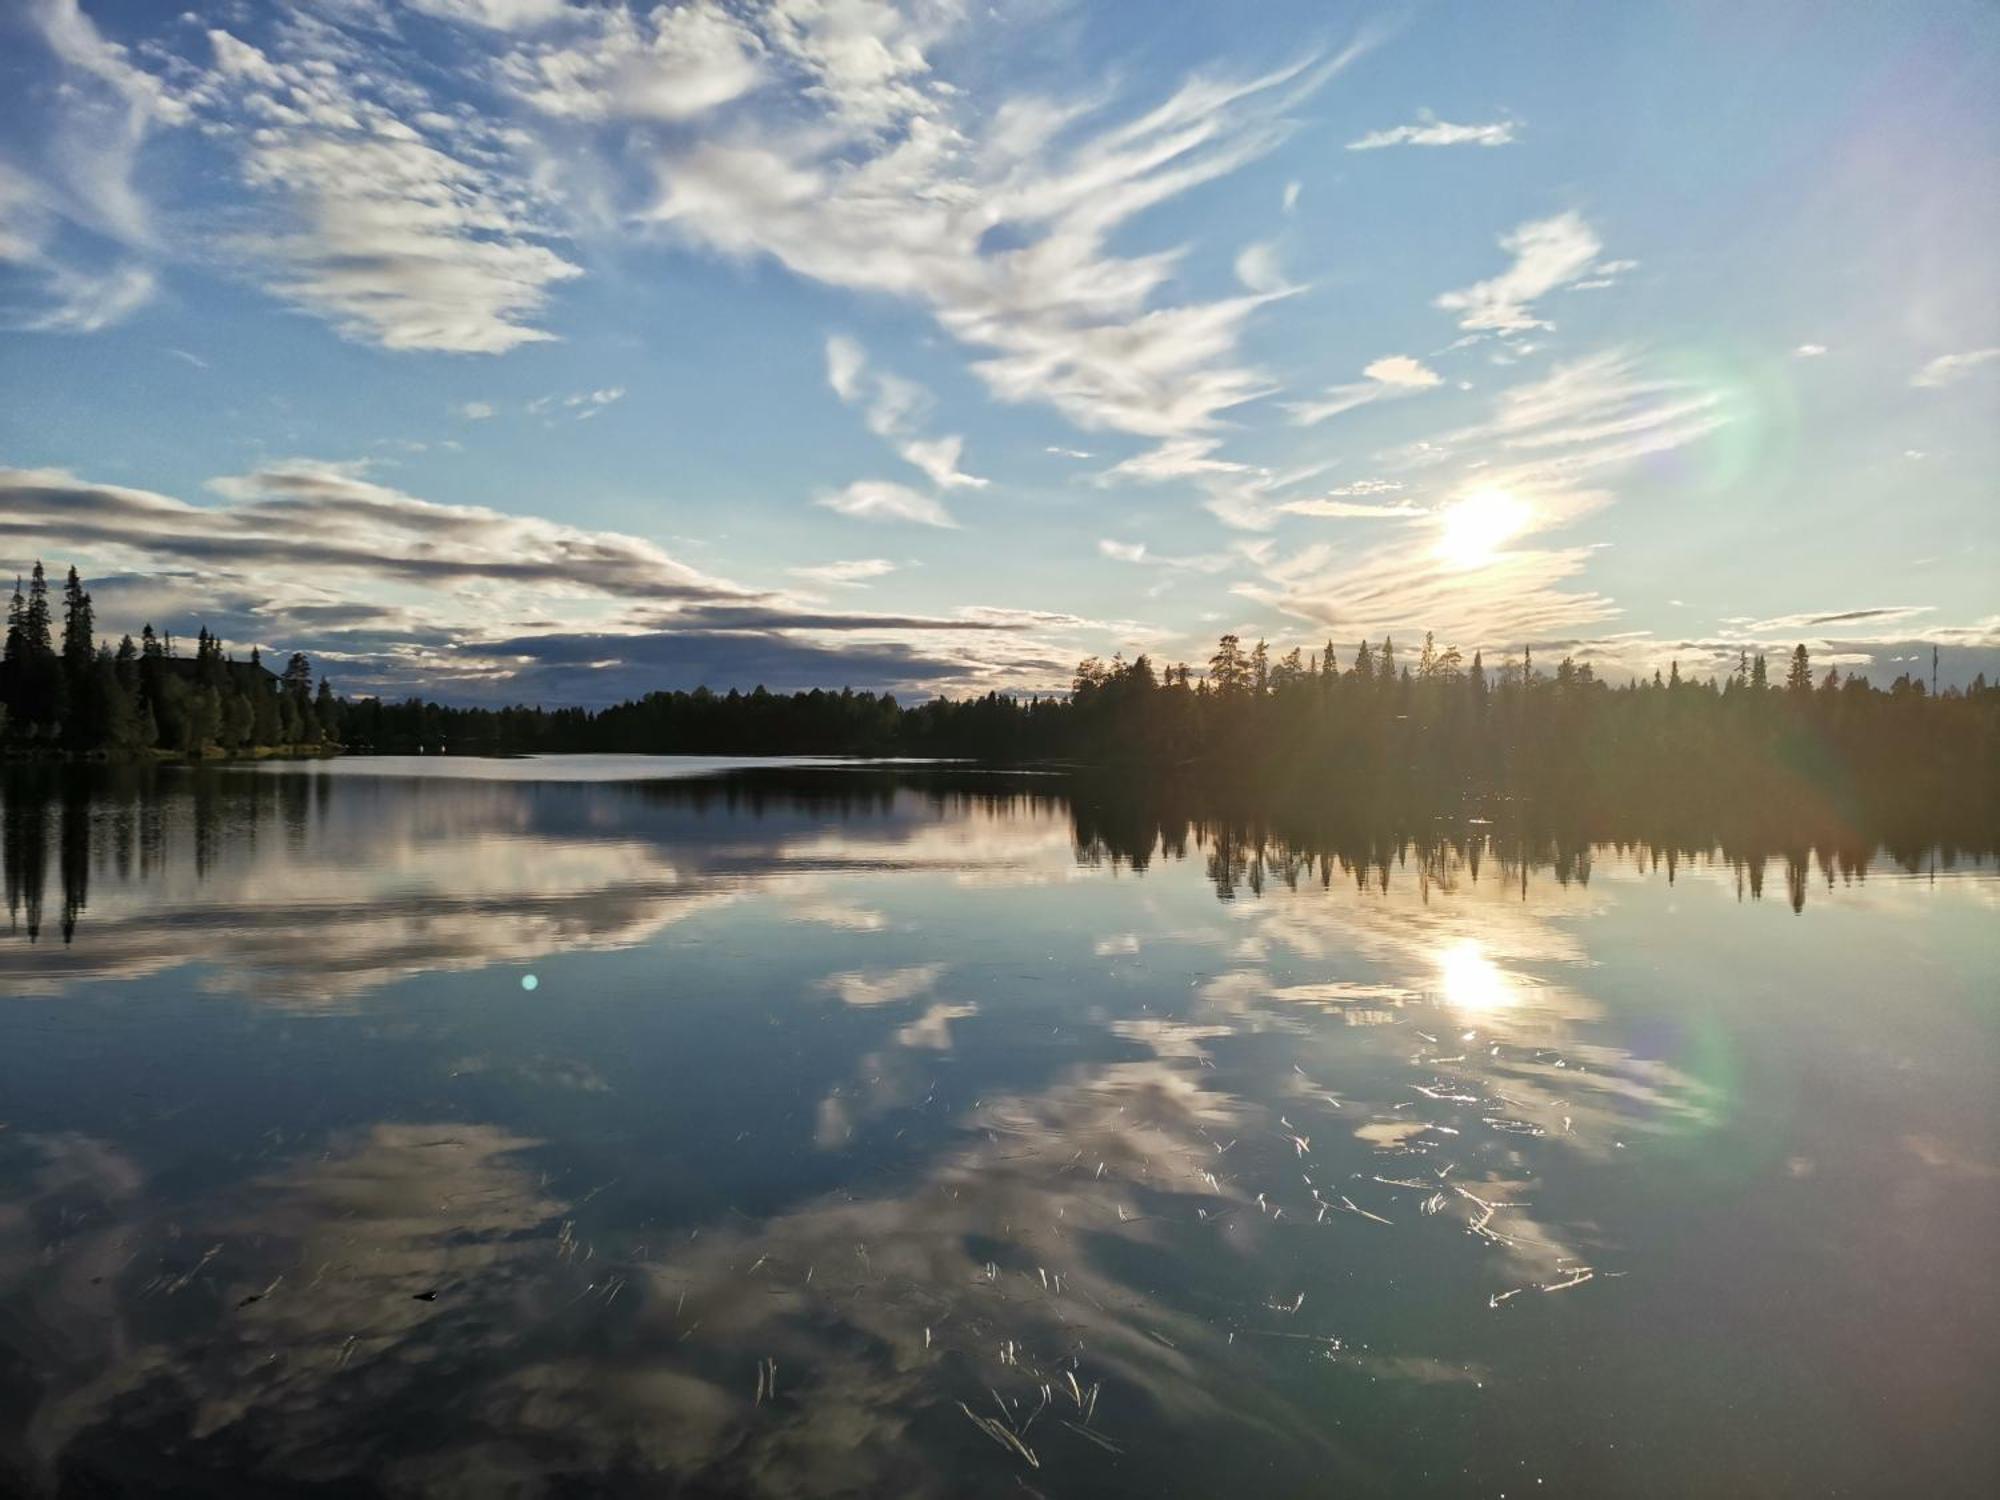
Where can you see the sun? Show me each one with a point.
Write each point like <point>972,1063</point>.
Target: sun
<point>1472,530</point>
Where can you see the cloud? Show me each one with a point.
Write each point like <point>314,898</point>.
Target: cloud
<point>1949,369</point>
<point>1548,253</point>
<point>854,574</point>
<point>1886,614</point>
<point>1139,553</point>
<point>1355,510</point>
<point>1392,376</point>
<point>938,459</point>
<point>885,500</point>
<point>997,222</point>
<point>399,224</point>
<point>475,411</point>
<point>1290,200</point>
<point>392,593</point>
<point>1177,458</point>
<point>1431,131</point>
<point>672,64</point>
<point>1547,448</point>
<point>892,407</point>
<point>321,517</point>
<point>1809,351</point>
<point>499,15</point>
<point>81,302</point>
<point>82,174</point>
<point>1257,268</point>
<point>582,405</point>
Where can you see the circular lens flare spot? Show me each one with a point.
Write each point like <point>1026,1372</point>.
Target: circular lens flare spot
<point>1472,530</point>
<point>530,983</point>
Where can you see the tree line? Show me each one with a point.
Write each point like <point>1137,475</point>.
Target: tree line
<point>1397,733</point>
<point>86,696</point>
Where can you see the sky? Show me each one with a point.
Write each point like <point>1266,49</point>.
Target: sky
<point>560,350</point>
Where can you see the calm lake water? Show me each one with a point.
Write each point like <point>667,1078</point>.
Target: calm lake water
<point>457,1130</point>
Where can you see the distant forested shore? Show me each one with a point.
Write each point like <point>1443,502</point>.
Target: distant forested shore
<point>1383,734</point>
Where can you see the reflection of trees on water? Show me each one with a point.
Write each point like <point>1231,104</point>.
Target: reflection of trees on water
<point>1244,850</point>
<point>129,825</point>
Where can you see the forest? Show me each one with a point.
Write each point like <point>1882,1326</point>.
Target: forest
<point>1387,733</point>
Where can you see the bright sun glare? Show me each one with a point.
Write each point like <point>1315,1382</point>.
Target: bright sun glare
<point>1474,528</point>
<point>1472,981</point>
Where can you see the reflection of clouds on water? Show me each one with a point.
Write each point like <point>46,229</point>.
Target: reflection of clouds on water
<point>268,1319</point>
<point>284,1323</point>
<point>291,895</point>
<point>1249,1168</point>
<point>882,987</point>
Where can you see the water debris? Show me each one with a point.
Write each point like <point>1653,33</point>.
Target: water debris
<point>1513,1127</point>
<point>180,1283</point>
<point>1354,1208</point>
<point>767,1381</point>
<point>1002,1434</point>
<point>255,1297</point>
<point>1288,1308</point>
<point>1443,1096</point>
<point>1096,1437</point>
<point>429,1296</point>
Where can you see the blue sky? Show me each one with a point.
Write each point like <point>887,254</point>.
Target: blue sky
<point>545,348</point>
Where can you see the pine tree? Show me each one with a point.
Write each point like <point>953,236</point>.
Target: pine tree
<point>79,646</point>
<point>1798,680</point>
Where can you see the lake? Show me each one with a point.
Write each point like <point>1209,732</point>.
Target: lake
<point>569,1128</point>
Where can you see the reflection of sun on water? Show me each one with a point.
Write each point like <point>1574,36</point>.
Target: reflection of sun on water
<point>1474,528</point>
<point>1471,981</point>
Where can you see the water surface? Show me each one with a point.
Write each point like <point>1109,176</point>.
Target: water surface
<point>548,1131</point>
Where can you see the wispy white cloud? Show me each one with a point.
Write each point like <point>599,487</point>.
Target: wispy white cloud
<point>582,405</point>
<point>87,302</point>
<point>1140,554</point>
<point>475,411</point>
<point>1471,567</point>
<point>892,408</point>
<point>1809,351</point>
<point>902,188</point>
<point>674,63</point>
<point>400,225</point>
<point>84,176</point>
<point>499,15</point>
<point>1392,376</point>
<point>885,500</point>
<point>851,574</point>
<point>1258,269</point>
<point>1431,131</point>
<point>1548,253</point>
<point>1176,458</point>
<point>1950,369</point>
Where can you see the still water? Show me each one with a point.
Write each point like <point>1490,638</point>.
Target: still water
<point>516,1129</point>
